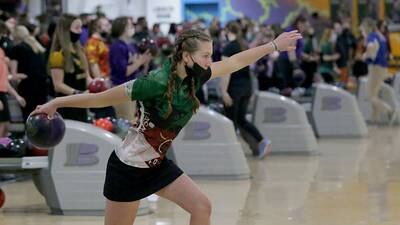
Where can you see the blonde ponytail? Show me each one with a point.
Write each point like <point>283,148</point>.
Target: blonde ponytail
<point>21,33</point>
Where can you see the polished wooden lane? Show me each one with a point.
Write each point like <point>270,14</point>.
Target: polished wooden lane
<point>349,182</point>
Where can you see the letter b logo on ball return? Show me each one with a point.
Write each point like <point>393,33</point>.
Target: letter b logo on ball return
<point>331,103</point>
<point>274,115</point>
<point>81,154</point>
<point>197,130</point>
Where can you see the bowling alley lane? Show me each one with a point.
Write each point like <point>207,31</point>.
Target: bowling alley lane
<point>349,181</point>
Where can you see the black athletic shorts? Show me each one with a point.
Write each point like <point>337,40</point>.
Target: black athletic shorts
<point>125,183</point>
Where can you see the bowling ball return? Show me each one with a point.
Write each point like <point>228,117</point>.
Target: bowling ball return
<point>333,112</point>
<point>71,177</point>
<point>19,166</point>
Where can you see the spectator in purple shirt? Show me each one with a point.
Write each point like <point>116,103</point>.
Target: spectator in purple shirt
<point>125,62</point>
<point>288,62</point>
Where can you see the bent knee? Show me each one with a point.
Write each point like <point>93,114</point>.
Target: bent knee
<point>202,207</point>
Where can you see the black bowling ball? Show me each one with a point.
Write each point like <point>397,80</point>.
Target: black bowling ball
<point>17,148</point>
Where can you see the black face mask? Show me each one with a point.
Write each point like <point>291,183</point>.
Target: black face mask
<point>104,34</point>
<point>198,71</point>
<point>226,38</point>
<point>74,36</point>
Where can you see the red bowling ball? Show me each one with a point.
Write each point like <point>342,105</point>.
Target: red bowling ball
<point>2,198</point>
<point>104,124</point>
<point>98,85</point>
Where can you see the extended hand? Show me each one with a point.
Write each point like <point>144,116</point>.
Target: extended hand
<point>47,108</point>
<point>287,40</point>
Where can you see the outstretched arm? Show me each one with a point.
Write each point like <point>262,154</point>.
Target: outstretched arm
<point>284,42</point>
<point>113,96</point>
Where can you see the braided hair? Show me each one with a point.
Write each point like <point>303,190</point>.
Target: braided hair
<point>187,41</point>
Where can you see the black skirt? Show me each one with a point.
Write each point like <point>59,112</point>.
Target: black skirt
<point>126,183</point>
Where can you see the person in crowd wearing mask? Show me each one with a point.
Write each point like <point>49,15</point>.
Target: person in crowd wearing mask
<point>97,49</point>
<point>28,57</point>
<point>125,62</point>
<point>327,67</point>
<point>215,33</point>
<point>236,91</point>
<point>33,29</point>
<point>266,69</point>
<point>6,88</point>
<point>156,32</point>
<point>344,45</point>
<point>6,43</point>
<point>50,33</point>
<point>311,58</point>
<point>383,28</point>
<point>290,61</point>
<point>166,96</point>
<point>360,67</point>
<point>172,32</point>
<point>141,30</point>
<point>97,53</point>
<point>376,57</point>
<point>84,37</point>
<point>68,65</point>
<point>318,23</point>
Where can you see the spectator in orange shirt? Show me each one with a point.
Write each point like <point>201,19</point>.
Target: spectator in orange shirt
<point>5,88</point>
<point>97,52</point>
<point>97,48</point>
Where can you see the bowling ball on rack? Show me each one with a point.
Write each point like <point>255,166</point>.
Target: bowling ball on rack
<point>44,132</point>
<point>165,46</point>
<point>121,127</point>
<point>104,124</point>
<point>147,44</point>
<point>17,148</point>
<point>114,123</point>
<point>287,92</point>
<point>2,198</point>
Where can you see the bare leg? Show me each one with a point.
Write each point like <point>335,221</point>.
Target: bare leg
<point>185,193</point>
<point>120,213</point>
